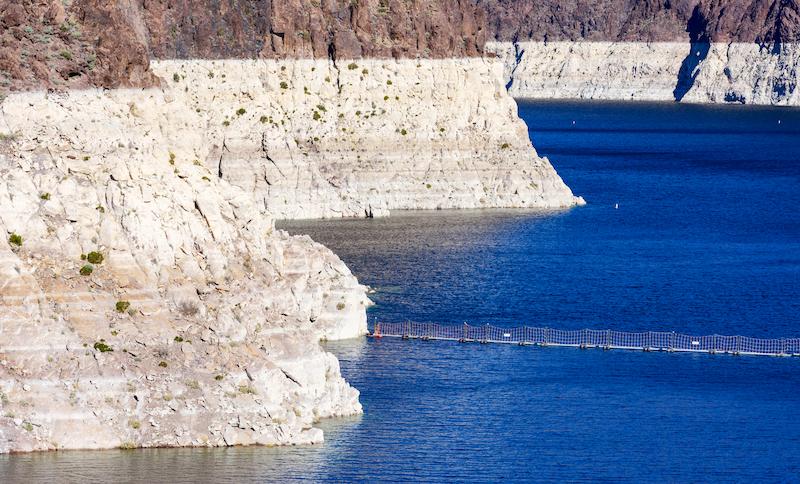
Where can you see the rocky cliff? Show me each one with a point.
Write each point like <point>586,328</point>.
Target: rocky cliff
<point>741,73</point>
<point>740,51</point>
<point>146,298</point>
<point>64,45</point>
<point>757,21</point>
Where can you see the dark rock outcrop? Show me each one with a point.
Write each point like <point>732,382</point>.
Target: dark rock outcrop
<point>45,44</point>
<point>302,28</point>
<point>762,21</point>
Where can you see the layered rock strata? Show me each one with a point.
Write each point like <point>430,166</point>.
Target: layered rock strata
<point>746,73</point>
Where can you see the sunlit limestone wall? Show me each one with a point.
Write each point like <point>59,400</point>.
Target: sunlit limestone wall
<point>667,71</point>
<point>313,138</point>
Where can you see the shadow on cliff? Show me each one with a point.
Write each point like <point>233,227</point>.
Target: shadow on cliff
<point>700,44</point>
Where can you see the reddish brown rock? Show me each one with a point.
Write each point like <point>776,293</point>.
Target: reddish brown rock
<point>300,28</point>
<point>644,20</point>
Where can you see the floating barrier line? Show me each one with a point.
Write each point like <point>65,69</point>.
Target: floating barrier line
<point>590,338</point>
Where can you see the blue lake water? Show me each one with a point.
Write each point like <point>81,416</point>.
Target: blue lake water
<point>706,239</point>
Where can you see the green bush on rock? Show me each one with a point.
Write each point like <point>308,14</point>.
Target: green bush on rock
<point>102,347</point>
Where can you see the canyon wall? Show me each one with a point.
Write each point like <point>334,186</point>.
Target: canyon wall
<point>717,51</point>
<point>745,73</point>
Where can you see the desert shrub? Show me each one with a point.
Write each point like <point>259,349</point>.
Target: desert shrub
<point>247,390</point>
<point>95,257</point>
<point>403,132</point>
<point>86,270</point>
<point>102,347</point>
<point>240,111</point>
<point>45,196</point>
<point>135,424</point>
<point>340,306</point>
<point>176,77</point>
<point>284,85</point>
<point>352,66</point>
<point>219,377</point>
<point>162,364</point>
<point>15,239</point>
<point>122,306</point>
<point>178,339</point>
<point>504,146</point>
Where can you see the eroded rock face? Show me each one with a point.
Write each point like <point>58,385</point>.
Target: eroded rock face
<point>362,137</point>
<point>65,45</point>
<point>215,339</point>
<point>50,44</point>
<point>344,29</point>
<point>177,188</point>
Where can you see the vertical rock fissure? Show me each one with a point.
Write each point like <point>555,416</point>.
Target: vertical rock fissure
<point>699,46</point>
<point>518,53</point>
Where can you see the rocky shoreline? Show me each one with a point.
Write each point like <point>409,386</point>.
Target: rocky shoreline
<point>147,299</point>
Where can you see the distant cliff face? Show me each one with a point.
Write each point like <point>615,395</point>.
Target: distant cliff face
<point>734,51</point>
<point>644,20</point>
